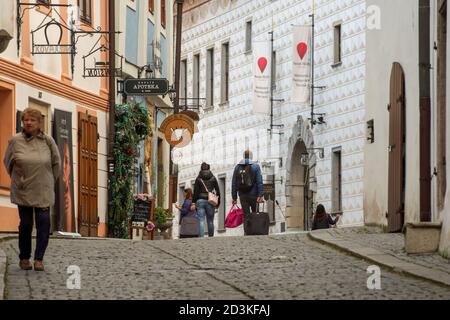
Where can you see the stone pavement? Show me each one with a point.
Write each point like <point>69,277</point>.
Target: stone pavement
<point>386,249</point>
<point>282,267</point>
<point>3,260</point>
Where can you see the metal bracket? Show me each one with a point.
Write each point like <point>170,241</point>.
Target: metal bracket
<point>30,6</point>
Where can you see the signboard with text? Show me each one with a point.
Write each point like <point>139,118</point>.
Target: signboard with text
<point>146,87</point>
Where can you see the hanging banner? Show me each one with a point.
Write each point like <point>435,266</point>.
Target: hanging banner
<point>262,69</point>
<point>64,202</point>
<point>301,64</point>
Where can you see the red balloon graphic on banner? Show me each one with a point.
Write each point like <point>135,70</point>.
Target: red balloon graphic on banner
<point>262,63</point>
<point>302,48</point>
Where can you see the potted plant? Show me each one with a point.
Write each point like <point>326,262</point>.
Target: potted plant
<point>163,219</point>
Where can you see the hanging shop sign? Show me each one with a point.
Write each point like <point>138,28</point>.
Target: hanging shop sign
<point>52,32</point>
<point>146,87</point>
<point>178,130</point>
<point>95,68</point>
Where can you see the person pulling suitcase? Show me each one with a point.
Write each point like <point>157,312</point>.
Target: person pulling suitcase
<point>189,223</point>
<point>247,183</point>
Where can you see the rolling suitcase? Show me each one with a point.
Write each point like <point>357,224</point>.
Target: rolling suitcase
<point>258,223</point>
<point>190,227</point>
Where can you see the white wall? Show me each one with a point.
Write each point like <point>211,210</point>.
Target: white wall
<point>445,235</point>
<point>384,47</point>
<point>212,24</point>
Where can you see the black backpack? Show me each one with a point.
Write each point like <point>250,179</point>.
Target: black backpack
<point>245,178</point>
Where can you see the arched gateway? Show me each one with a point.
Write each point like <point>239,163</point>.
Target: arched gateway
<point>300,177</point>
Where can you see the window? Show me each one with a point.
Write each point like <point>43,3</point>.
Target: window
<point>224,75</point>
<point>44,6</point>
<point>183,83</point>
<point>163,13</point>
<point>337,43</point>
<point>85,11</point>
<point>336,168</point>
<point>181,188</point>
<point>151,6</point>
<point>248,36</point>
<point>210,77</point>
<point>44,2</point>
<point>7,106</point>
<point>196,80</point>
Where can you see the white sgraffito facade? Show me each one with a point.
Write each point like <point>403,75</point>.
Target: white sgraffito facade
<point>227,129</point>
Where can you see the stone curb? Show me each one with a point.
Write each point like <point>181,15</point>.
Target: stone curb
<point>2,273</point>
<point>3,260</point>
<point>380,258</point>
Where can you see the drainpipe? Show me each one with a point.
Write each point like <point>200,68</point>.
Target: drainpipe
<point>425,110</point>
<point>176,102</point>
<point>112,102</point>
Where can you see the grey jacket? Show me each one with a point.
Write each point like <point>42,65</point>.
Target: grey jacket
<point>34,165</point>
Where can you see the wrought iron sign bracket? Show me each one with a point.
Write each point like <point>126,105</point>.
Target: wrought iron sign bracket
<point>101,68</point>
<point>75,37</point>
<point>21,13</point>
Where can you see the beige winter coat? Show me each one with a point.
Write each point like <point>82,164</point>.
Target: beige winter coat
<point>34,165</point>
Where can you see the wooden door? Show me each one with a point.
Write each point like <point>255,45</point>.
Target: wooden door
<point>87,173</point>
<point>396,148</point>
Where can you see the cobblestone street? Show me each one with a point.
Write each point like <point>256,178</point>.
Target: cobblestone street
<point>277,267</point>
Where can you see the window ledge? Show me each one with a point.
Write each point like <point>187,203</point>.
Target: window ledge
<point>224,104</point>
<point>247,52</point>
<point>336,64</point>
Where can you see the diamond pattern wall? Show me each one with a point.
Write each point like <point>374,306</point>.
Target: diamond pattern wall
<point>216,22</point>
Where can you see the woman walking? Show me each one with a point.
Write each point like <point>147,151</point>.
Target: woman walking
<point>32,160</point>
<point>205,183</point>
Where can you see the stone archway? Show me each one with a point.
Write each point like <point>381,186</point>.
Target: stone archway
<point>299,177</point>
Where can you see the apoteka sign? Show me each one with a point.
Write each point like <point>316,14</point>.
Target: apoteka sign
<point>52,32</point>
<point>146,87</point>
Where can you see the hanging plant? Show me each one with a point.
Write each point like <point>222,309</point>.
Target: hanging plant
<point>132,126</point>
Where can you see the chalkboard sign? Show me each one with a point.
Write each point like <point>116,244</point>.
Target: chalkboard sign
<point>141,211</point>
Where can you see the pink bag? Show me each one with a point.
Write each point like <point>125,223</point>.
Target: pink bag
<point>234,218</point>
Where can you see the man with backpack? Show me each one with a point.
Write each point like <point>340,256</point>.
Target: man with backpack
<point>248,184</point>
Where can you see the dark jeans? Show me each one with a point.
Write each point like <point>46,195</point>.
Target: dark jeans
<point>205,209</point>
<point>42,217</point>
<point>248,203</point>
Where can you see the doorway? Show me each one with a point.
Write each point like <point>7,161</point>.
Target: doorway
<point>297,212</point>
<point>160,175</point>
<point>336,181</point>
<point>397,155</point>
<point>441,104</point>
<point>300,177</point>
<point>88,175</point>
